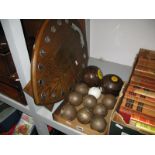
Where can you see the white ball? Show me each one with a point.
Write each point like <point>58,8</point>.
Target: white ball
<point>95,91</point>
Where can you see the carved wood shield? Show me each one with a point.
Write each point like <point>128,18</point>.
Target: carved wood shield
<point>59,57</point>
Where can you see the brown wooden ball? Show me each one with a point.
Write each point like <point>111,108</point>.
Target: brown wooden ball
<point>82,88</point>
<point>68,112</point>
<point>100,110</point>
<point>89,101</point>
<point>92,76</point>
<point>109,101</point>
<point>75,98</point>
<point>84,115</point>
<point>112,84</point>
<point>98,123</point>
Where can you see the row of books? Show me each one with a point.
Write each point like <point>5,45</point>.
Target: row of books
<point>138,104</point>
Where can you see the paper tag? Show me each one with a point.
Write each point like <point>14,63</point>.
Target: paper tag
<point>119,126</point>
<point>123,133</point>
<point>79,128</point>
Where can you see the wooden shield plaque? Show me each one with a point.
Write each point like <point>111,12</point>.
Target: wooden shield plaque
<point>59,57</point>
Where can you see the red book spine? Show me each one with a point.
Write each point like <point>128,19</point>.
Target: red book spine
<point>125,113</point>
<point>143,119</point>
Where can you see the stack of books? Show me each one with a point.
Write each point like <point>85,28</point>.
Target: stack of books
<point>138,104</point>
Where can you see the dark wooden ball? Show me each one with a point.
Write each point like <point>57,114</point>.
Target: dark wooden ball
<point>84,115</point>
<point>112,84</point>
<point>92,76</point>
<point>109,101</point>
<point>82,88</point>
<point>68,112</point>
<point>98,123</point>
<point>100,110</point>
<point>89,101</point>
<point>75,98</point>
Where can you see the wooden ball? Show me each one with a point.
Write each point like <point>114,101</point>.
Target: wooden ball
<point>109,101</point>
<point>92,76</point>
<point>89,101</point>
<point>112,84</point>
<point>98,123</point>
<point>100,110</point>
<point>84,115</point>
<point>82,88</point>
<point>75,98</point>
<point>68,112</point>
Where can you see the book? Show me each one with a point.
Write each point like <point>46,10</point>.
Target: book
<point>140,98</point>
<point>141,91</point>
<point>148,86</point>
<point>145,70</point>
<point>139,107</point>
<point>127,113</point>
<point>142,118</point>
<point>144,74</point>
<point>145,127</point>
<point>146,62</point>
<point>143,80</point>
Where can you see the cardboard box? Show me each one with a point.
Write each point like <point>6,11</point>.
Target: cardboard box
<point>119,125</point>
<point>85,128</point>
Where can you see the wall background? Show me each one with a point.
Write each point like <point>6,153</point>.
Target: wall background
<point>120,40</point>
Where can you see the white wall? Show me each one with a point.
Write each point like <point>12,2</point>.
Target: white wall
<point>120,40</point>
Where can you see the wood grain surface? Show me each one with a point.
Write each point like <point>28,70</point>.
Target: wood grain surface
<point>58,60</point>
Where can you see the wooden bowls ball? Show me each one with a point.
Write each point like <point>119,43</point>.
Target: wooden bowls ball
<point>112,84</point>
<point>84,115</point>
<point>68,112</point>
<point>75,98</point>
<point>82,88</point>
<point>89,101</point>
<point>92,76</point>
<point>100,110</point>
<point>109,101</point>
<point>98,123</point>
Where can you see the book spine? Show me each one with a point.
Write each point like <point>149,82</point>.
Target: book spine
<point>141,91</point>
<point>145,127</point>
<point>145,70</point>
<point>143,85</point>
<point>142,80</point>
<point>140,98</point>
<point>146,62</point>
<point>142,119</point>
<point>144,74</point>
<point>139,107</point>
<point>126,113</point>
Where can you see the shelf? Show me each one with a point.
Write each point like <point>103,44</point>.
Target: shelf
<point>15,104</point>
<point>42,116</point>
